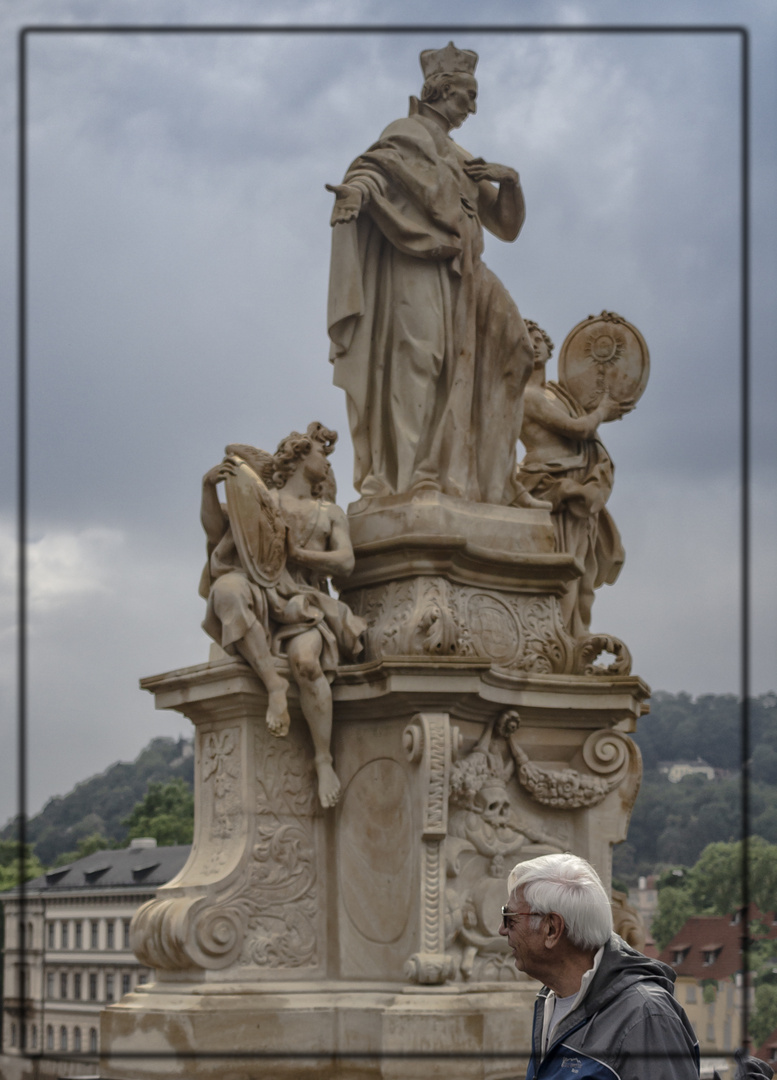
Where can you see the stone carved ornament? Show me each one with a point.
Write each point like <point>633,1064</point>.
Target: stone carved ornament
<point>267,916</point>
<point>271,548</point>
<point>430,616</point>
<point>486,833</point>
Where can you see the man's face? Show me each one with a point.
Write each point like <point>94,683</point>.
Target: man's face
<point>526,944</point>
<point>459,100</point>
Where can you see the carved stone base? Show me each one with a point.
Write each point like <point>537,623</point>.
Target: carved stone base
<point>438,576</point>
<point>371,929</point>
<point>323,1032</point>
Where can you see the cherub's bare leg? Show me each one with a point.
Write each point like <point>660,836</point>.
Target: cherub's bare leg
<point>315,698</point>
<point>254,648</point>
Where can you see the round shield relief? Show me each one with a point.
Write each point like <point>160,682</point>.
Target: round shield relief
<point>604,353</point>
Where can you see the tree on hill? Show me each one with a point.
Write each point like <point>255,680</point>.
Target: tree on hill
<point>88,846</point>
<point>166,812</point>
<point>13,870</point>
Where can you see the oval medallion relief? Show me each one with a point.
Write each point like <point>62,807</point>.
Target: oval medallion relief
<point>494,629</point>
<point>376,847</point>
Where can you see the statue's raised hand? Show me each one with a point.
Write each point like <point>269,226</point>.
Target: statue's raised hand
<point>348,203</point>
<point>225,468</point>
<point>477,169</point>
<point>611,409</point>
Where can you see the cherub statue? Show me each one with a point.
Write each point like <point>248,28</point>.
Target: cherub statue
<point>567,464</point>
<point>271,548</point>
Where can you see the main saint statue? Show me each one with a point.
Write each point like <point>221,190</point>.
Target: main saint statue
<point>428,345</point>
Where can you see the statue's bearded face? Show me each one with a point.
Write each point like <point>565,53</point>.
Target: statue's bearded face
<point>459,99</point>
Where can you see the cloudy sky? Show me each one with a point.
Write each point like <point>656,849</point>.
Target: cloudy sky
<point>178,246</point>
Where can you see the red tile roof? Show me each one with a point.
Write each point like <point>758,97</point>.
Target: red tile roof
<point>726,932</point>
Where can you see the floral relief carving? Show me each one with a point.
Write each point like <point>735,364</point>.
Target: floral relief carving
<point>280,899</point>
<point>220,773</point>
<point>430,616</point>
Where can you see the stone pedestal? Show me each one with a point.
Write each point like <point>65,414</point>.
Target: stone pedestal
<point>363,941</point>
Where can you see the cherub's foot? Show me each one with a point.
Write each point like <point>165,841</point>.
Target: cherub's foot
<point>329,790</point>
<point>278,718</point>
<point>528,502</point>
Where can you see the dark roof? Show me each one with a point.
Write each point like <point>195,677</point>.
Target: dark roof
<point>128,868</point>
<point>726,932</point>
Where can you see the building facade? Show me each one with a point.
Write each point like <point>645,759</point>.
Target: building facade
<point>67,948</point>
<point>711,983</point>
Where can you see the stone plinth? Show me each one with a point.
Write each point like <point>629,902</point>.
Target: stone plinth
<point>369,930</point>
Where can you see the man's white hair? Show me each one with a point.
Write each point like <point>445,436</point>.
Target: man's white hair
<point>570,887</point>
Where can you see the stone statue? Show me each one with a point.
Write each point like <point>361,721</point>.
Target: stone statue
<point>426,342</point>
<point>271,549</point>
<point>567,464</point>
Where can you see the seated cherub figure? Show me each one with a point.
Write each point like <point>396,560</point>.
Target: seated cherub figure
<point>271,548</point>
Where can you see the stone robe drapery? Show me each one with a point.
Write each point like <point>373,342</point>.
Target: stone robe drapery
<point>428,345</point>
<point>578,485</point>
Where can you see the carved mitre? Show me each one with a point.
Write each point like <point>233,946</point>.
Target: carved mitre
<point>448,61</point>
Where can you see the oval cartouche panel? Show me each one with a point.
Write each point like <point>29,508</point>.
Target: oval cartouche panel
<point>604,353</point>
<point>376,846</point>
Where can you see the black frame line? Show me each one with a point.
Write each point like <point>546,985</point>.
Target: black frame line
<point>742,32</point>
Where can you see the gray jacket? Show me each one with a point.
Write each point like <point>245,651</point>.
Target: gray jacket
<point>628,1026</point>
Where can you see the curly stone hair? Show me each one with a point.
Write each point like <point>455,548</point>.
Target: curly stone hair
<point>294,448</point>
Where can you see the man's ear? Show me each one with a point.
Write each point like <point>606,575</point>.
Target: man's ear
<point>554,930</point>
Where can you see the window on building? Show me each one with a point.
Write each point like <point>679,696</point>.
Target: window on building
<point>679,955</point>
<point>13,1034</point>
<point>63,935</point>
<point>93,934</point>
<point>125,984</point>
<point>20,934</point>
<point>50,931</point>
<point>22,982</point>
<point>63,984</point>
<point>93,986</point>
<point>142,978</point>
<point>109,987</point>
<point>63,1038</point>
<point>23,1033</point>
<point>77,1039</point>
<point>711,1033</point>
<point>49,1037</point>
<point>34,1037</point>
<point>126,942</point>
<point>49,984</point>
<point>109,936</point>
<point>79,928</point>
<point>690,994</point>
<point>92,1040</point>
<point>30,936</point>
<point>77,986</point>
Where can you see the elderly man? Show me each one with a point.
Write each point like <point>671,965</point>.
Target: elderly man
<point>605,1010</point>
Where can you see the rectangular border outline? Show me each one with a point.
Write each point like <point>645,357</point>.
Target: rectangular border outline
<point>22,487</point>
